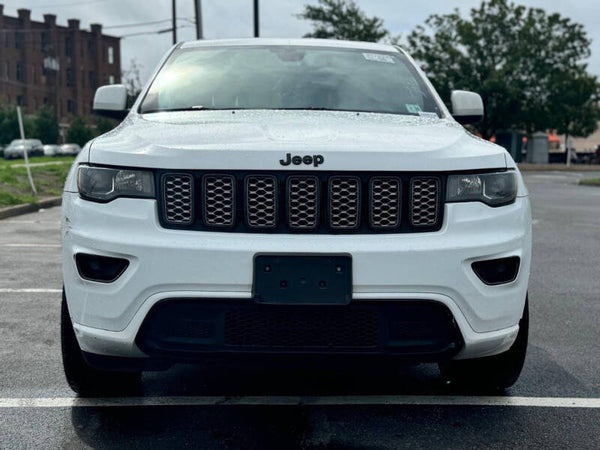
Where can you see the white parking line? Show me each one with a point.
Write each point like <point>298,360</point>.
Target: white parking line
<point>347,400</point>
<point>32,245</point>
<point>30,290</point>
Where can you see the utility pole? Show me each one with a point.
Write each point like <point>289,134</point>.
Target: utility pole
<point>198,11</point>
<point>174,11</point>
<point>256,33</point>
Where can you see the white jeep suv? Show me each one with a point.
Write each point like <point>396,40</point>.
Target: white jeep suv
<point>300,200</point>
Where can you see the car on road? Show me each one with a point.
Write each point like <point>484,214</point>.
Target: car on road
<point>300,202</point>
<point>17,148</point>
<point>51,149</point>
<point>69,150</point>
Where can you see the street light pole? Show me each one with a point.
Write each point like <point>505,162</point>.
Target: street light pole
<point>256,18</point>
<point>198,11</point>
<point>174,12</point>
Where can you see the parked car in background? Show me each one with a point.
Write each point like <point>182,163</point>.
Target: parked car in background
<point>51,149</point>
<point>69,150</point>
<point>18,147</point>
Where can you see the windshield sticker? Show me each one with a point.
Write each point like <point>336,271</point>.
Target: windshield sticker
<point>429,114</point>
<point>378,57</point>
<point>412,108</point>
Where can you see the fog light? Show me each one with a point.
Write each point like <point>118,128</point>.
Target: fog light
<point>497,271</point>
<point>104,269</point>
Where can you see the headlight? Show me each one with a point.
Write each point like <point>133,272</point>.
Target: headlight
<point>104,184</point>
<point>494,189</point>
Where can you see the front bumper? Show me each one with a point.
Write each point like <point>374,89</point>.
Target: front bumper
<point>172,264</point>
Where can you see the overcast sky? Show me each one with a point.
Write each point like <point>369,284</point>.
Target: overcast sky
<point>233,18</point>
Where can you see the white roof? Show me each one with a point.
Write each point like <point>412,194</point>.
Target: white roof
<point>299,42</point>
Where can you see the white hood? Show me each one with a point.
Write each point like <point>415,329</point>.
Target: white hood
<point>257,140</point>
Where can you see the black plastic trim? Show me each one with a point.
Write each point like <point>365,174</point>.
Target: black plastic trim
<point>192,195</point>
<point>400,194</point>
<point>438,209</point>
<point>498,260</point>
<point>234,200</point>
<point>276,206</point>
<point>99,280</point>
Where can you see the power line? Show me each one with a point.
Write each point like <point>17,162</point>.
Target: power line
<point>141,33</point>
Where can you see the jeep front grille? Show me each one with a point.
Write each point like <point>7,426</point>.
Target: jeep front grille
<point>385,202</point>
<point>261,201</point>
<point>344,202</point>
<point>424,200</point>
<point>218,200</point>
<point>303,202</point>
<point>316,202</point>
<point>178,198</point>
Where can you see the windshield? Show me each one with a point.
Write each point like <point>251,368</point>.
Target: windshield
<point>289,77</point>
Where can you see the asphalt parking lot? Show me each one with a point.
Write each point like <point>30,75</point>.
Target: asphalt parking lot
<point>555,404</point>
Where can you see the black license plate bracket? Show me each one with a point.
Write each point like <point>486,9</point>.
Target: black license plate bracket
<point>323,279</point>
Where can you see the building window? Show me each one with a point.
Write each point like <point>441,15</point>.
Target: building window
<point>111,55</point>
<point>6,70</point>
<point>68,46</point>
<point>111,79</point>
<point>20,72</point>
<point>20,100</point>
<point>45,41</point>
<point>71,107</point>
<point>91,48</point>
<point>18,39</point>
<point>92,80</point>
<point>70,81</point>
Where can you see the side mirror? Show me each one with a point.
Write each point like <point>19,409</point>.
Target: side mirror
<point>111,101</point>
<point>467,107</point>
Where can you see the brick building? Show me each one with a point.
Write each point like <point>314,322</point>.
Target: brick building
<point>42,63</point>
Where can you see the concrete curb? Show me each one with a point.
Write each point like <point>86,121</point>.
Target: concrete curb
<point>527,167</point>
<point>17,210</point>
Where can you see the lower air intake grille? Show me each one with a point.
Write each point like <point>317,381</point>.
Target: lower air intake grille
<point>277,328</point>
<point>424,201</point>
<point>219,200</point>
<point>178,198</point>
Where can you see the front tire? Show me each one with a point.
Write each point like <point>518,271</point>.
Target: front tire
<point>492,373</point>
<point>84,379</point>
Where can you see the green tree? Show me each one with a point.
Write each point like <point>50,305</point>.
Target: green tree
<point>9,125</point>
<point>45,126</point>
<point>342,19</point>
<point>574,108</point>
<point>79,132</point>
<point>509,54</point>
<point>104,125</point>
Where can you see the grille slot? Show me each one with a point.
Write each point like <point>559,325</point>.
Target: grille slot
<point>344,202</point>
<point>261,201</point>
<point>218,200</point>
<point>424,201</point>
<point>178,198</point>
<point>385,207</point>
<point>303,202</point>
